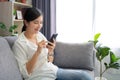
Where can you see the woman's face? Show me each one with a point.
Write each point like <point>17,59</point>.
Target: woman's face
<point>35,25</point>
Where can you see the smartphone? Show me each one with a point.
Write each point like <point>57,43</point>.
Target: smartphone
<point>53,37</point>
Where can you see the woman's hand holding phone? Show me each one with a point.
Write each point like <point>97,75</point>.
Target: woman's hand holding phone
<point>52,43</point>
<point>51,46</point>
<point>53,38</point>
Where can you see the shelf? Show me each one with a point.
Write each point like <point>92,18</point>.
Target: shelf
<point>7,17</point>
<point>17,20</point>
<point>19,4</point>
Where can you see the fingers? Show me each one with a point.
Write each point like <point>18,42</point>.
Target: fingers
<point>50,58</point>
<point>42,44</point>
<point>47,44</point>
<point>50,44</point>
<point>54,41</point>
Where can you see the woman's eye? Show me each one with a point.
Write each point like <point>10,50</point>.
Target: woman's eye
<point>35,22</point>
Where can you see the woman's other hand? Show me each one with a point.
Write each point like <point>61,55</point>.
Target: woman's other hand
<point>41,45</point>
<point>51,47</point>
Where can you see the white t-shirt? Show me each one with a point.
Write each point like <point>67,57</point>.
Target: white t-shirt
<point>24,49</point>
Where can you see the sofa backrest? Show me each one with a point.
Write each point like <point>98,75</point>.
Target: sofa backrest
<point>8,65</point>
<point>75,55</point>
<point>11,40</point>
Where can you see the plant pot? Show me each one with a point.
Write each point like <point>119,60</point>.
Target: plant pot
<point>98,78</point>
<point>23,1</point>
<point>14,17</point>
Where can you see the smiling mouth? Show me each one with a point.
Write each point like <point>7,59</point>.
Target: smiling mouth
<point>37,29</point>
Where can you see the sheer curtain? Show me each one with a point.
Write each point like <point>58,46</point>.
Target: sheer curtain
<point>79,20</point>
<point>74,20</point>
<point>107,21</point>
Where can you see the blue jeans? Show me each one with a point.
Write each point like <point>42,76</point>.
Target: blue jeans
<point>67,74</point>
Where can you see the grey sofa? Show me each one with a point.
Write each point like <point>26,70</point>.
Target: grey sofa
<point>68,56</point>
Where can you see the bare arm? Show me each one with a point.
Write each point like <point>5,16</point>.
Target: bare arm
<point>31,63</point>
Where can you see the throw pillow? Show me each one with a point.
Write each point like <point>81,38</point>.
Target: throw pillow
<point>74,55</point>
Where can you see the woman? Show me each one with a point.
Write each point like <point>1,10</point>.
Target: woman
<point>35,56</point>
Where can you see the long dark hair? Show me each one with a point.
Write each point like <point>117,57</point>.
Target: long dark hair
<point>30,14</point>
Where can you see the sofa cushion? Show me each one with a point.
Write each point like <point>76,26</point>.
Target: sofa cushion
<point>74,55</point>
<point>8,65</point>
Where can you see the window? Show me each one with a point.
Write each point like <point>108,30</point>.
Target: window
<point>107,21</point>
<point>79,20</point>
<point>74,20</point>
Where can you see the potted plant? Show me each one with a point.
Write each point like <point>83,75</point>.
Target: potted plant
<point>12,29</point>
<point>2,26</point>
<point>14,13</point>
<point>101,53</point>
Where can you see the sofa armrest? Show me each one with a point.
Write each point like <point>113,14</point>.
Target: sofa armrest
<point>74,55</point>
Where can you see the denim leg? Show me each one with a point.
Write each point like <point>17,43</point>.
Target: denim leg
<point>67,74</point>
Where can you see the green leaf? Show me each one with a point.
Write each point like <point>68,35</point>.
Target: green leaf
<point>97,36</point>
<point>13,27</point>
<point>14,12</point>
<point>114,65</point>
<point>95,42</point>
<point>98,56</point>
<point>103,51</point>
<point>113,58</point>
<point>2,26</point>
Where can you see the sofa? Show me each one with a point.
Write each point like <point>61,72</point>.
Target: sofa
<point>67,55</point>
